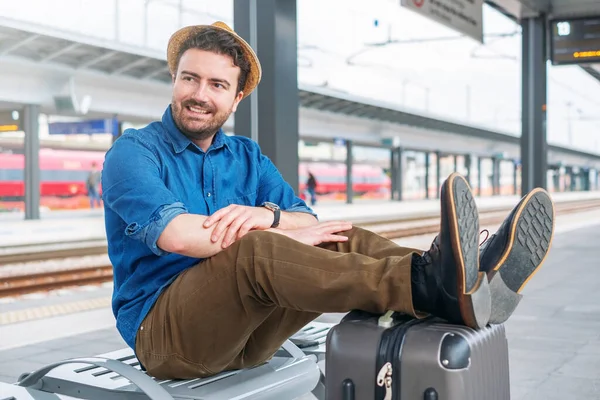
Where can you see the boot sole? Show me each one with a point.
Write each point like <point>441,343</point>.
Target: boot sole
<point>463,218</point>
<point>530,237</point>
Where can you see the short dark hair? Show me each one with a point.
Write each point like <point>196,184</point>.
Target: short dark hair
<point>217,41</point>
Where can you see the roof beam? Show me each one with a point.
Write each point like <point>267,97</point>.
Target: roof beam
<point>96,60</point>
<point>595,73</point>
<point>155,72</point>
<point>21,43</point>
<point>68,48</point>
<point>131,65</point>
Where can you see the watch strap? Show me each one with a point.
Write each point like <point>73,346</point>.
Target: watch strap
<point>276,217</point>
<point>276,212</point>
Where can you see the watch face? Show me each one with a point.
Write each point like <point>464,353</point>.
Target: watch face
<point>271,206</point>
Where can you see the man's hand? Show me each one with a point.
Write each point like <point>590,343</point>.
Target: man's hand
<point>321,233</point>
<point>235,221</point>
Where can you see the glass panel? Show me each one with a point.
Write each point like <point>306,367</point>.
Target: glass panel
<point>414,177</point>
<point>487,168</point>
<point>474,175</point>
<point>70,179</point>
<point>433,178</point>
<point>327,162</point>
<point>12,163</point>
<point>507,177</point>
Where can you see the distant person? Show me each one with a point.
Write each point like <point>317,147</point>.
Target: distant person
<point>311,187</point>
<point>93,186</point>
<point>217,262</point>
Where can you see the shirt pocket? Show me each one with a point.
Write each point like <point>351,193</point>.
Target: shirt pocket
<point>245,200</point>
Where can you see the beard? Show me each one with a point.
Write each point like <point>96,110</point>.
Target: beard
<point>196,128</point>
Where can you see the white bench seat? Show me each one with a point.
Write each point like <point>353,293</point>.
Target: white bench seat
<point>291,373</point>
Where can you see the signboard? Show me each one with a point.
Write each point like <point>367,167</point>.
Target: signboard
<point>464,16</point>
<point>90,127</point>
<point>339,142</point>
<point>575,41</point>
<point>10,121</point>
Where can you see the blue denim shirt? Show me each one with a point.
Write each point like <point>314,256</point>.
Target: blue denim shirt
<point>153,174</point>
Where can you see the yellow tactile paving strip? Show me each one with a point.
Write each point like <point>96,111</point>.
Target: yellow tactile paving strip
<point>28,314</point>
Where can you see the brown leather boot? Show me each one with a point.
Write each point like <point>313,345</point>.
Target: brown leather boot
<point>517,250</point>
<point>446,281</point>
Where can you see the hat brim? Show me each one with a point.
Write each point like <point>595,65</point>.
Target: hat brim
<point>183,34</point>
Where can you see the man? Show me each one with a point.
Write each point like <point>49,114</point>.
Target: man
<point>92,184</point>
<point>311,187</point>
<point>217,262</point>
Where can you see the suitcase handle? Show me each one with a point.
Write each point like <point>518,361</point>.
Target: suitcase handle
<point>386,320</point>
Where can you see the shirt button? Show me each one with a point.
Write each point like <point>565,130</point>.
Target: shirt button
<point>208,195</point>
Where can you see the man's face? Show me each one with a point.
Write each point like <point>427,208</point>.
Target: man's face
<point>204,93</point>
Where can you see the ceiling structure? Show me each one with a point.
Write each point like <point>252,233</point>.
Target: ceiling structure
<point>49,47</point>
<point>553,9</point>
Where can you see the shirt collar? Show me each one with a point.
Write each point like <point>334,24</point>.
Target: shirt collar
<point>181,142</point>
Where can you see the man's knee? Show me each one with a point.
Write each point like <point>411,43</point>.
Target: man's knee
<point>256,237</point>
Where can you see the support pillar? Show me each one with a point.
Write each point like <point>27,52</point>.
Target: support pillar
<point>495,176</point>
<point>270,115</point>
<point>397,173</point>
<point>479,176</point>
<point>119,133</point>
<point>468,168</point>
<point>534,147</point>
<point>515,175</point>
<point>349,162</point>
<point>438,169</point>
<point>393,172</point>
<point>427,164</point>
<point>31,127</point>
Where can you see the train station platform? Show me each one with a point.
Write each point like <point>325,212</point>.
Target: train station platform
<point>85,225</point>
<point>554,336</point>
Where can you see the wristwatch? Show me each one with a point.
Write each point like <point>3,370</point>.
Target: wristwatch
<point>276,212</point>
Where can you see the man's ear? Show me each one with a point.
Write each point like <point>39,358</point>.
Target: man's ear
<point>237,100</point>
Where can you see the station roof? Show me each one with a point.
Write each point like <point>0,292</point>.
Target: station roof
<point>553,9</point>
<point>43,45</point>
<point>519,9</point>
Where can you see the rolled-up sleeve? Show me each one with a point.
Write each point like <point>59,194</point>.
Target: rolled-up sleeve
<point>134,190</point>
<point>275,189</point>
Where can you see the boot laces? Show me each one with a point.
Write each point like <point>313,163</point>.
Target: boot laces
<point>487,235</point>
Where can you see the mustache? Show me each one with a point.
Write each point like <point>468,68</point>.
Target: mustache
<point>200,104</point>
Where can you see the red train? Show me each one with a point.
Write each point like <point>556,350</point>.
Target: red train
<point>367,180</point>
<point>63,174</point>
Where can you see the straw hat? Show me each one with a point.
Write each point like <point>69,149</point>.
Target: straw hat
<point>183,34</point>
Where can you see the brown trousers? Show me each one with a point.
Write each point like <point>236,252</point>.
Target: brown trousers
<point>235,309</point>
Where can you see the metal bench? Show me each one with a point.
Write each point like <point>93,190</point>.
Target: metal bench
<point>291,373</point>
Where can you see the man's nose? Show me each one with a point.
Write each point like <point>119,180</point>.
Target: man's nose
<point>201,92</point>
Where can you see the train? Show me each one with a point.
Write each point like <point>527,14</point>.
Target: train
<point>63,174</point>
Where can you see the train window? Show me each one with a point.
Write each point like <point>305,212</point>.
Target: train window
<point>11,175</point>
<point>45,175</point>
<point>63,175</point>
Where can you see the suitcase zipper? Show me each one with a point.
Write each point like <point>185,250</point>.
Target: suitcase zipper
<point>384,378</point>
<point>390,350</point>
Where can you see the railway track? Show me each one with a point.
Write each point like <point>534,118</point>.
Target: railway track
<point>41,281</point>
<point>47,251</point>
<point>425,226</point>
<point>95,274</point>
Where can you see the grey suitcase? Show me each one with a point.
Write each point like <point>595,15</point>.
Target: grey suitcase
<point>369,357</point>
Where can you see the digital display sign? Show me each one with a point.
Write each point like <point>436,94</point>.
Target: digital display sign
<point>9,121</point>
<point>575,41</point>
